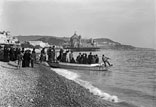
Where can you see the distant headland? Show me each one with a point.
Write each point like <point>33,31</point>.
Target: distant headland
<point>75,41</point>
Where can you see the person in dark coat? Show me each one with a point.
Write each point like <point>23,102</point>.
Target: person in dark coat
<point>90,57</point>
<point>78,59</point>
<point>19,58</point>
<point>43,55</point>
<point>85,59</point>
<point>23,61</point>
<point>97,59</point>
<point>27,58</point>
<point>14,54</point>
<point>23,50</point>
<point>6,54</point>
<point>17,52</point>
<point>33,58</point>
<point>11,52</point>
<point>49,52</point>
<point>64,57</point>
<point>59,58</point>
<point>53,54</point>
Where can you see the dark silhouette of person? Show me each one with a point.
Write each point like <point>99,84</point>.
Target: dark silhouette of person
<point>53,54</point>
<point>105,60</point>
<point>49,53</point>
<point>19,58</point>
<point>33,57</point>
<point>64,57</point>
<point>85,58</point>
<point>96,59</point>
<point>23,50</point>
<point>59,58</point>
<point>17,52</point>
<point>78,58</point>
<point>6,54</point>
<point>23,61</point>
<point>43,55</point>
<point>11,54</point>
<point>90,57</point>
<point>27,58</point>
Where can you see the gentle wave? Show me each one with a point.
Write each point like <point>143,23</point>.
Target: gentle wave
<point>75,77</point>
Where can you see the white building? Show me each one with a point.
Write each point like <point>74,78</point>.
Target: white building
<point>40,43</point>
<point>7,39</point>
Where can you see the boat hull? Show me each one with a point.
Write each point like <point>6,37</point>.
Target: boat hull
<point>90,67</point>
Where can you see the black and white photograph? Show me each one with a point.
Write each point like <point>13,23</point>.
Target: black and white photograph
<point>77,53</point>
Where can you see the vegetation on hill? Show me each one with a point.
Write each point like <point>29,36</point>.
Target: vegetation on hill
<point>52,40</point>
<point>103,43</point>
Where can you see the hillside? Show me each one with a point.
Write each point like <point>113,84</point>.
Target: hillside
<point>106,43</point>
<point>29,38</point>
<point>103,43</point>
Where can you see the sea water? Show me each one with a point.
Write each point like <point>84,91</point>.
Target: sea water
<point>131,79</point>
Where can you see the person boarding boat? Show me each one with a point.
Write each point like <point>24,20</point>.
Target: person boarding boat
<point>105,61</point>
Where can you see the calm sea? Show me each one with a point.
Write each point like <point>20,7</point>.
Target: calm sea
<point>132,77</point>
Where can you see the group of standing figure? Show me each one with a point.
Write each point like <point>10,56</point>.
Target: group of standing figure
<point>81,58</point>
<point>87,59</point>
<point>24,58</point>
<point>27,58</point>
<point>67,56</point>
<point>50,53</point>
<point>10,54</point>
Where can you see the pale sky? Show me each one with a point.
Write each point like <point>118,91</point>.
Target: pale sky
<point>126,21</point>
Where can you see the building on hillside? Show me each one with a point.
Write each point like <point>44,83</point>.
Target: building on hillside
<point>75,41</point>
<point>6,38</point>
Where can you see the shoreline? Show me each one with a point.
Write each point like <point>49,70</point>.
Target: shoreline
<point>48,89</point>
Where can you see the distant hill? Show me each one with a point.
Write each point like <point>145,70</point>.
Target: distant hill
<point>52,40</point>
<point>30,37</point>
<point>106,43</point>
<point>103,43</point>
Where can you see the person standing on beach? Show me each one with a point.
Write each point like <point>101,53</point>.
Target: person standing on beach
<point>11,53</point>
<point>53,54</point>
<point>43,55</point>
<point>19,58</point>
<point>6,54</point>
<point>23,61</point>
<point>59,58</point>
<point>49,52</point>
<point>27,58</point>
<point>33,57</point>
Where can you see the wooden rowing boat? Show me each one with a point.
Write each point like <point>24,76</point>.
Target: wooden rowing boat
<point>95,67</point>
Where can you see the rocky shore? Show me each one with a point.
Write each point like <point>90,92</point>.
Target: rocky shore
<point>41,87</point>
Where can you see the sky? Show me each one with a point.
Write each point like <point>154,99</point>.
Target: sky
<point>130,22</point>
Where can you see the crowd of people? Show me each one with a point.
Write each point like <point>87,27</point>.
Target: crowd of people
<point>87,59</point>
<point>66,56</point>
<point>24,58</point>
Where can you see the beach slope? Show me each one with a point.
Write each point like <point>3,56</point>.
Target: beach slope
<point>42,87</point>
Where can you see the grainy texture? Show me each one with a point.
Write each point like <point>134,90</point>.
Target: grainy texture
<point>41,87</point>
<point>17,87</point>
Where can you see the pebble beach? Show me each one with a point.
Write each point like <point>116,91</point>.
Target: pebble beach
<point>41,87</point>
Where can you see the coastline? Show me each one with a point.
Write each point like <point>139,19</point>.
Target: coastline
<point>42,87</point>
